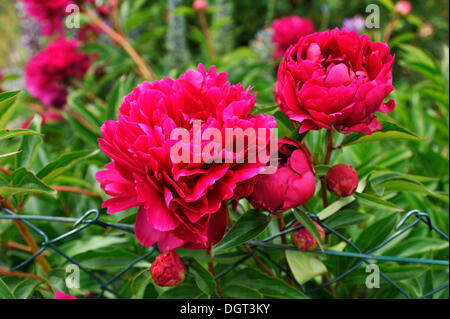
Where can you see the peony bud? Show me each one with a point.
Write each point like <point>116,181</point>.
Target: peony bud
<point>200,5</point>
<point>342,180</point>
<point>61,295</point>
<point>304,240</point>
<point>403,8</point>
<point>168,270</point>
<point>293,183</point>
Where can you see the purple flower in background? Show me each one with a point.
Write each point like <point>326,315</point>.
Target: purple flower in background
<point>354,23</point>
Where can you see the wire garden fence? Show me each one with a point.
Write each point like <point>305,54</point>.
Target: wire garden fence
<point>91,219</point>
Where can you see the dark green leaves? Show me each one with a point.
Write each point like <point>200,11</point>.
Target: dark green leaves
<point>247,227</point>
<point>25,182</point>
<point>5,292</point>
<point>63,163</point>
<point>203,278</point>
<point>390,131</point>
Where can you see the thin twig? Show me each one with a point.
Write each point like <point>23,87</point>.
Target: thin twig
<point>207,35</point>
<point>260,262</point>
<point>143,67</point>
<point>26,236</point>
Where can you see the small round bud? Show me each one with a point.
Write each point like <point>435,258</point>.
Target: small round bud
<point>403,8</point>
<point>304,240</point>
<point>200,5</point>
<point>342,180</point>
<point>168,270</point>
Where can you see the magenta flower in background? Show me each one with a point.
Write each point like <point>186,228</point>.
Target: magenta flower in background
<point>356,23</point>
<point>335,79</point>
<point>48,13</point>
<point>287,31</point>
<point>61,295</point>
<point>180,204</point>
<point>49,71</point>
<point>292,185</point>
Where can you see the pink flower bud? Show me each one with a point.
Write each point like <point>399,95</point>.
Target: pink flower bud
<point>342,180</point>
<point>293,183</point>
<point>403,8</point>
<point>304,240</point>
<point>168,270</point>
<point>200,5</point>
<point>61,295</point>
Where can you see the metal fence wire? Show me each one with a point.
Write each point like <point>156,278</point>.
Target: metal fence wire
<point>91,219</point>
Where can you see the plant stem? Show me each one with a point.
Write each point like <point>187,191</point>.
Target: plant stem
<point>143,67</point>
<point>281,227</point>
<point>389,29</point>
<point>70,189</point>
<point>328,153</point>
<point>26,235</point>
<point>207,35</point>
<point>260,262</point>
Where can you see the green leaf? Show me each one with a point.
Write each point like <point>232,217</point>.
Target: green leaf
<point>25,182</point>
<point>376,202</point>
<point>237,291</point>
<point>376,233</point>
<point>408,186</point>
<point>30,145</point>
<point>390,131</point>
<point>247,227</point>
<point>9,154</point>
<point>268,286</point>
<point>416,246</point>
<point>183,291</point>
<point>63,163</point>
<point>335,207</point>
<point>345,218</point>
<point>6,111</point>
<point>304,266</point>
<point>84,133</point>
<point>26,288</point>
<point>5,134</point>
<point>322,170</point>
<point>203,278</point>
<point>5,292</point>
<point>306,221</point>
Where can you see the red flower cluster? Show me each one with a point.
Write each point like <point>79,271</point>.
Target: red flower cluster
<point>48,13</point>
<point>180,204</point>
<point>48,72</point>
<point>335,78</point>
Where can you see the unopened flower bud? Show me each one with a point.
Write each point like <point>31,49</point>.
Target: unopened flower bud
<point>342,180</point>
<point>168,270</point>
<point>403,8</point>
<point>200,5</point>
<point>304,240</point>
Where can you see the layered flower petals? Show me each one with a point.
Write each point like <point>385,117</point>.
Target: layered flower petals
<point>181,203</point>
<point>335,79</point>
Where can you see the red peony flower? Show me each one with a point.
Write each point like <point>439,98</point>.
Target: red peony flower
<point>61,295</point>
<point>342,180</point>
<point>48,13</point>
<point>293,184</point>
<point>48,72</point>
<point>304,240</point>
<point>335,78</point>
<point>168,270</point>
<point>180,204</point>
<point>287,31</point>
